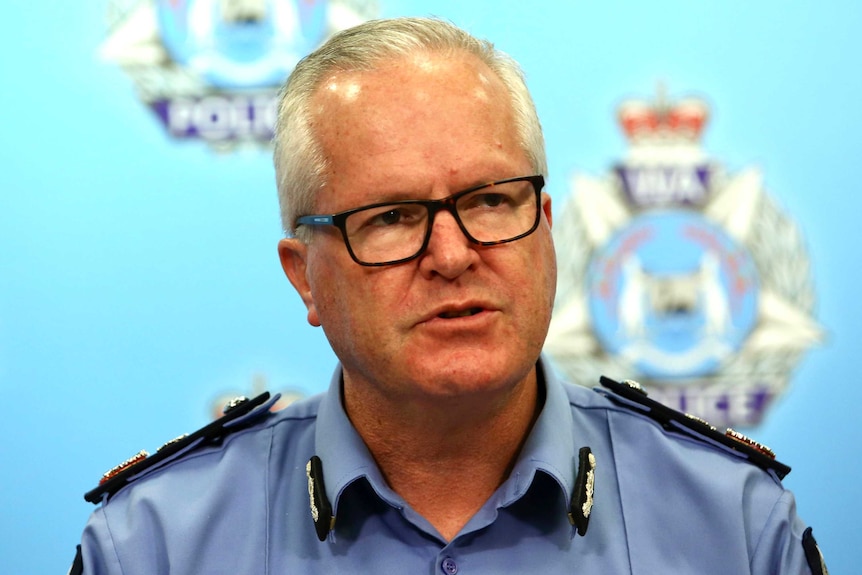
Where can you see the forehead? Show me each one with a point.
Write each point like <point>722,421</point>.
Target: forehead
<point>415,76</point>
<point>414,119</point>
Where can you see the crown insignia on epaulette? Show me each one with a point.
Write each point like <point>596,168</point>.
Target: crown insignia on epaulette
<point>117,477</point>
<point>745,440</point>
<point>130,462</point>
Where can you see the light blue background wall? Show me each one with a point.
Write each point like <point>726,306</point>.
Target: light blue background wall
<point>139,277</point>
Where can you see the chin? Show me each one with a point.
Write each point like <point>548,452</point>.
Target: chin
<point>482,374</point>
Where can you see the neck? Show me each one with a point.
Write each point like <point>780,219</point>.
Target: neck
<point>445,456</point>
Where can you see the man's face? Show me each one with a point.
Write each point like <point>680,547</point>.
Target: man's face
<point>461,318</point>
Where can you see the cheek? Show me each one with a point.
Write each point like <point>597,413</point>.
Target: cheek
<point>544,259</point>
<point>551,270</point>
<point>330,294</point>
<point>539,283</point>
<point>338,317</point>
<point>351,302</point>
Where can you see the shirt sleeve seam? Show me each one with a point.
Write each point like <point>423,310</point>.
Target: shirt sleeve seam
<point>611,443</point>
<point>111,538</point>
<point>781,502</point>
<point>267,494</point>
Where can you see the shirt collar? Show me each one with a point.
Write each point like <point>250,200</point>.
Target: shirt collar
<point>549,447</point>
<point>344,454</point>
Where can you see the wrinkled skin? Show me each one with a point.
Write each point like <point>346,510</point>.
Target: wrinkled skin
<point>462,322</point>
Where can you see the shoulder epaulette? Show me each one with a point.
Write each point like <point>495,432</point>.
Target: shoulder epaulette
<point>631,393</point>
<point>237,415</point>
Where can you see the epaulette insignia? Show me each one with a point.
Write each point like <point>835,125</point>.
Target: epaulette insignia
<point>122,474</point>
<point>735,435</point>
<point>756,453</point>
<point>116,470</point>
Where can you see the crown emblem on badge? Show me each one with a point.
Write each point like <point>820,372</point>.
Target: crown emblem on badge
<point>681,273</point>
<point>662,120</point>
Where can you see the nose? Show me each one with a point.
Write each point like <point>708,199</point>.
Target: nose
<point>449,252</point>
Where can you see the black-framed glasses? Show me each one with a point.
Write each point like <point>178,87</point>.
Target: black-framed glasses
<point>396,232</point>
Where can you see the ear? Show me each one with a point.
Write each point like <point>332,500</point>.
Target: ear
<point>293,255</point>
<point>546,207</point>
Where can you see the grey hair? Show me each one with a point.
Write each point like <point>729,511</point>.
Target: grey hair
<point>300,163</point>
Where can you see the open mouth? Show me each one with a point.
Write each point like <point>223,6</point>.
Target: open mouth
<point>460,313</point>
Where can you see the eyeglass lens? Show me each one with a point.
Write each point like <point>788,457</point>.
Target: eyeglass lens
<point>491,214</point>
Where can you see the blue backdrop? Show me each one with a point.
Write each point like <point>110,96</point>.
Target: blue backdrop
<point>139,279</point>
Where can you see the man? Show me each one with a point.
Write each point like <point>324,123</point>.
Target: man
<point>410,168</point>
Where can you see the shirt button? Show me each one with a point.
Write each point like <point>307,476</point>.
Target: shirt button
<point>449,566</point>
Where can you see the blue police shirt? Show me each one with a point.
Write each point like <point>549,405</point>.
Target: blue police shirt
<point>664,502</point>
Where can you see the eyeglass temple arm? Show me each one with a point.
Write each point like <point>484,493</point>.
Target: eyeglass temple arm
<point>315,220</point>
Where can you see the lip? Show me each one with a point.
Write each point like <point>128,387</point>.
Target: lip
<point>458,312</point>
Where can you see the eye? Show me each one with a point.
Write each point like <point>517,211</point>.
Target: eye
<point>388,218</point>
<point>490,200</point>
<point>486,201</point>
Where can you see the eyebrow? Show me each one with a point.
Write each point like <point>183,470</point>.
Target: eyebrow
<point>403,196</point>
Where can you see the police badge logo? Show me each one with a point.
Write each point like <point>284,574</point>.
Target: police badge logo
<point>210,69</point>
<point>673,271</point>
